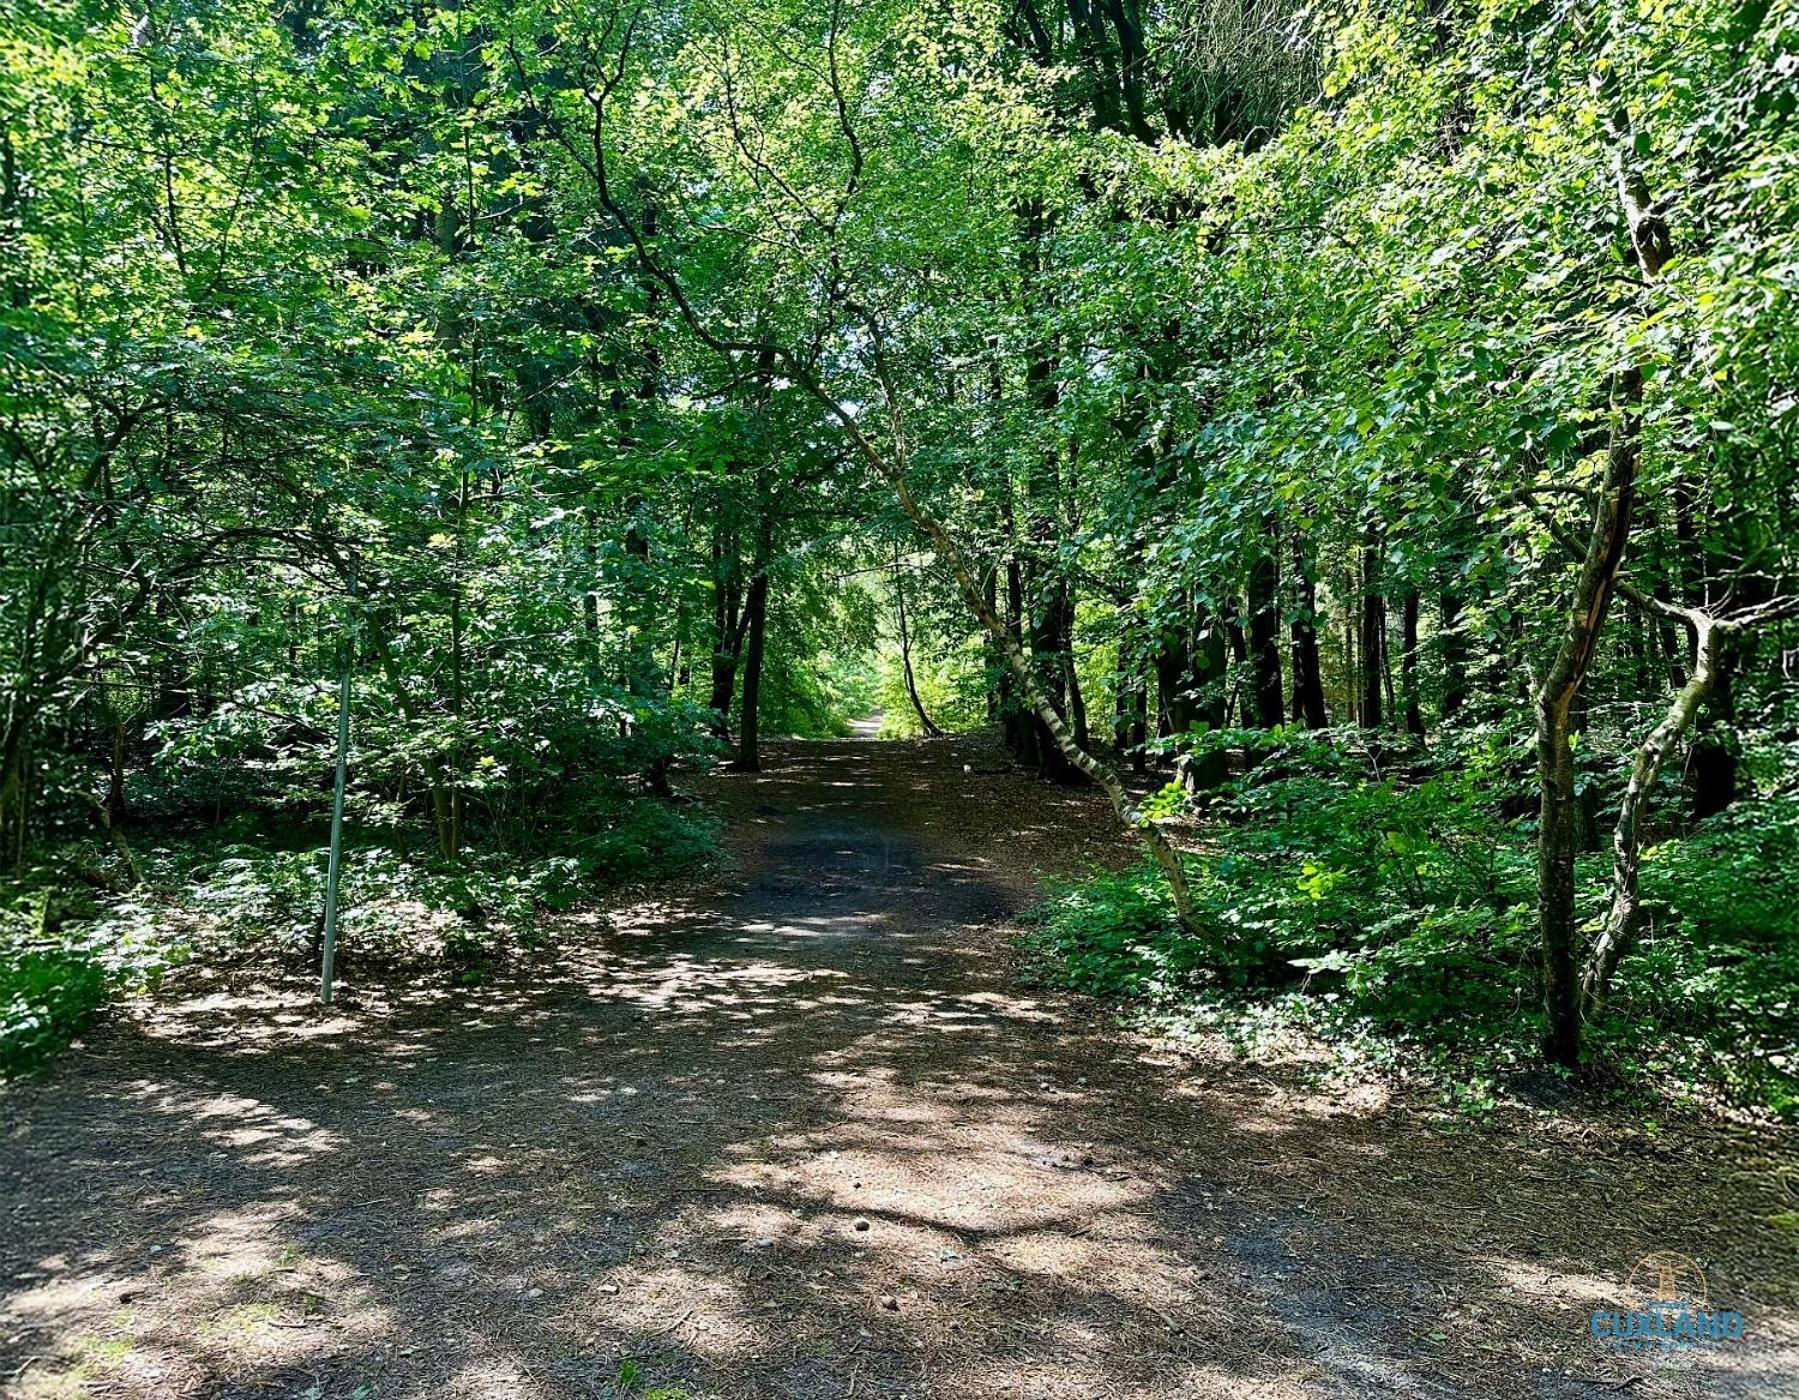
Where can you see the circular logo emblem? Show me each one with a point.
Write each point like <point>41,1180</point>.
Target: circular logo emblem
<point>1666,1280</point>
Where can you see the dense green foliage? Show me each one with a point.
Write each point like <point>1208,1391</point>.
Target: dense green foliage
<point>605,386</point>
<point>1393,918</point>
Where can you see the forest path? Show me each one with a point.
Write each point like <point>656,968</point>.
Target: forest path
<point>800,1130</point>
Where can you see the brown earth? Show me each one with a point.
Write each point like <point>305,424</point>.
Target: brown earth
<point>800,1129</point>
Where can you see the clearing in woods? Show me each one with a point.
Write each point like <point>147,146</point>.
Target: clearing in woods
<point>801,1129</point>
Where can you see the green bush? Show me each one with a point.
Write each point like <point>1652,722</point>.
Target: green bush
<point>58,964</point>
<point>1367,907</point>
<point>47,998</point>
<point>250,900</point>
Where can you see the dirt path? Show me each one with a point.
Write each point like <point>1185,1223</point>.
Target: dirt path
<point>803,1132</point>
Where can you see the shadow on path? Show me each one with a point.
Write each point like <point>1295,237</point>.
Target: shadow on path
<point>803,1132</point>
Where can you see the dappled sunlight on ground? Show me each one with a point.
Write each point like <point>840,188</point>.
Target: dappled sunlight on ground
<point>803,1133</point>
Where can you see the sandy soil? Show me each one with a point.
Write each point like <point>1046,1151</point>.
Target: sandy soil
<point>799,1129</point>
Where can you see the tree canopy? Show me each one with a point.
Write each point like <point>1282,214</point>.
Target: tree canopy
<point>1210,396</point>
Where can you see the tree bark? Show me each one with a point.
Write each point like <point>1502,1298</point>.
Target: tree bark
<point>1453,648</point>
<point>1372,642</point>
<point>1264,635</point>
<point>1408,664</point>
<point>749,726</point>
<point>905,640</point>
<point>1558,828</point>
<point>1308,670</point>
<point>727,629</point>
<point>755,612</point>
<point>1627,837</point>
<point>1555,694</point>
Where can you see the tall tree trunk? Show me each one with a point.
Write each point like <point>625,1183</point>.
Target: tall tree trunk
<point>1190,672</point>
<point>15,777</point>
<point>996,675</point>
<point>925,722</point>
<point>1452,642</point>
<point>727,630</point>
<point>1052,613</point>
<point>1408,664</point>
<point>450,844</point>
<point>1558,826</point>
<point>1308,669</point>
<point>1265,634</point>
<point>115,783</point>
<point>749,724</point>
<point>1019,727</point>
<point>1712,766</point>
<point>1372,646</point>
<point>1556,692</point>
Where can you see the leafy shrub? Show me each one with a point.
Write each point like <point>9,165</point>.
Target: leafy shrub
<point>58,966</point>
<point>1715,970</point>
<point>1359,905</point>
<point>47,998</point>
<point>242,899</point>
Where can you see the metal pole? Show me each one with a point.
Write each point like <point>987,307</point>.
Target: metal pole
<point>334,870</point>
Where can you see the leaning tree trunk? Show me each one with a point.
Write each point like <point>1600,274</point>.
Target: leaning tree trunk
<point>925,722</point>
<point>1156,841</point>
<point>1555,695</point>
<point>1558,829</point>
<point>1627,838</point>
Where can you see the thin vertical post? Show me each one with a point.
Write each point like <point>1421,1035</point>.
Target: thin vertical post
<point>334,870</point>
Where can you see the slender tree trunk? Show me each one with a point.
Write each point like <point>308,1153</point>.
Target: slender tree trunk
<point>995,664</point>
<point>1452,641</point>
<point>1713,762</point>
<point>1264,635</point>
<point>755,609</point>
<point>115,777</point>
<point>1558,829</point>
<point>1071,680</point>
<point>451,832</point>
<point>1140,727</point>
<point>590,595</point>
<point>1211,663</point>
<point>1408,663</point>
<point>749,724</point>
<point>1019,728</point>
<point>1191,672</point>
<point>15,810</point>
<point>1373,637</point>
<point>1053,605</point>
<point>1308,669</point>
<point>905,640</point>
<point>1174,668</point>
<point>1627,837</point>
<point>727,631</point>
<point>1555,693</point>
